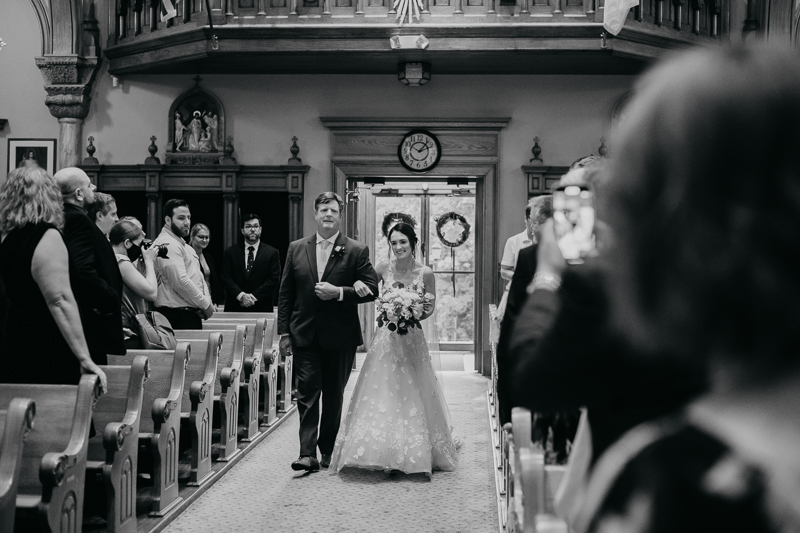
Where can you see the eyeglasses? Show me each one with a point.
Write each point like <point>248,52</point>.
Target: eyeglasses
<point>251,227</point>
<point>92,187</point>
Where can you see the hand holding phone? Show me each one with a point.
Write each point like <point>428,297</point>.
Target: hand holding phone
<point>573,217</point>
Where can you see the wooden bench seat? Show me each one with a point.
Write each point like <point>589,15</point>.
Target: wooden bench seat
<point>113,452</point>
<point>159,433</point>
<point>284,365</point>
<point>53,470</point>
<point>230,368</point>
<point>531,485</point>
<point>16,420</point>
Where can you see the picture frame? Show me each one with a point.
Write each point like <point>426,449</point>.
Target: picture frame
<point>41,152</point>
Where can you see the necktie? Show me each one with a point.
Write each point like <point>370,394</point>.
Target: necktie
<point>250,258</point>
<point>322,258</point>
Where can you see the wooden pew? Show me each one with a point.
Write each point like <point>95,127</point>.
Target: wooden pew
<point>113,452</point>
<point>226,380</point>
<point>532,485</point>
<point>16,420</point>
<point>159,434</point>
<point>271,365</point>
<point>53,470</point>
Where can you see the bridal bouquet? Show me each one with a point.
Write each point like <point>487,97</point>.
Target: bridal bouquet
<point>400,308</point>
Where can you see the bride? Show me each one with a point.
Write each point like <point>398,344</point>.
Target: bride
<point>397,419</point>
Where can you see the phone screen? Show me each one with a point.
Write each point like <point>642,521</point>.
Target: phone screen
<point>573,217</point>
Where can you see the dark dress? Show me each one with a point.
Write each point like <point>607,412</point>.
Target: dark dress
<point>35,351</point>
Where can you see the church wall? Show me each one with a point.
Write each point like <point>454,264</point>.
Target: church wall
<point>263,112</point>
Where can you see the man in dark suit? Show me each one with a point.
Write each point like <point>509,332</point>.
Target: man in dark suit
<point>97,282</point>
<point>250,272</point>
<point>325,278</point>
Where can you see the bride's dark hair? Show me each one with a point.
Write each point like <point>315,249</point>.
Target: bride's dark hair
<point>391,217</point>
<point>408,231</point>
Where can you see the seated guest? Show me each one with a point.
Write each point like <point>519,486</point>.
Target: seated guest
<point>45,341</point>
<point>251,271</point>
<point>199,238</point>
<point>183,297</point>
<point>103,212</point>
<point>140,286</point>
<point>704,203</point>
<point>97,282</point>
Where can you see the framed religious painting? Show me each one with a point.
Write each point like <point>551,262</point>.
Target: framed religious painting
<point>32,152</point>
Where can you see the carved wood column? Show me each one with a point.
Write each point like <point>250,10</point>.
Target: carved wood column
<point>153,223</point>
<point>295,216</point>
<point>230,219</point>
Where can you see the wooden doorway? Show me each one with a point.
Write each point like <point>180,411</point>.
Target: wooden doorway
<point>367,149</point>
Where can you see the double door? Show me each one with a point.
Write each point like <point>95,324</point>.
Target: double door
<point>453,325</point>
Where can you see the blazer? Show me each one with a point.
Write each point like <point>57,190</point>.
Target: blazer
<point>335,324</point>
<point>517,295</point>
<point>216,288</point>
<point>261,282</point>
<point>97,282</point>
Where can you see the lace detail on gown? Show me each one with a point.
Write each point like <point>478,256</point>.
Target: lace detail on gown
<point>397,418</point>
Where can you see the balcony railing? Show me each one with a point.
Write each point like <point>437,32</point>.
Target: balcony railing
<point>139,40</point>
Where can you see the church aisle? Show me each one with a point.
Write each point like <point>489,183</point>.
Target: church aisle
<point>262,493</point>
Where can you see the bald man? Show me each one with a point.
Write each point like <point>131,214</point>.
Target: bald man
<point>96,280</point>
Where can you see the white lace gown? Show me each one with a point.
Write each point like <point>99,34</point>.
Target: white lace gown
<point>397,418</point>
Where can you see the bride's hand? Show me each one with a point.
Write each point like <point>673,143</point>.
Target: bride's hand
<point>361,288</point>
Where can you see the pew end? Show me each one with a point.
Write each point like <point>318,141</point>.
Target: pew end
<point>16,421</point>
<point>50,492</point>
<point>159,434</point>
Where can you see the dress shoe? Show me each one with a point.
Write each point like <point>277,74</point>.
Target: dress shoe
<point>325,462</point>
<point>310,464</point>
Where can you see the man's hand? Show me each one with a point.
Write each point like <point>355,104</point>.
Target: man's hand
<point>361,288</point>
<point>248,300</point>
<point>548,255</point>
<point>326,291</point>
<point>208,312</point>
<point>285,345</point>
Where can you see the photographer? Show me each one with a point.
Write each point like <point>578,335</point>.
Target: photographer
<point>140,286</point>
<point>183,297</point>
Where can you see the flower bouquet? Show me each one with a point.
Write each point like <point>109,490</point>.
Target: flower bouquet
<point>400,308</point>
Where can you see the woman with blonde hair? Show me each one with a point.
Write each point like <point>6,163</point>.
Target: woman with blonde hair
<point>45,341</point>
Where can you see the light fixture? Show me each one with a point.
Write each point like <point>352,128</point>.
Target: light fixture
<point>414,74</point>
<point>114,81</point>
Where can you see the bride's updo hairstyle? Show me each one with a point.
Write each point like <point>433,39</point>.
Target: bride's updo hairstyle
<point>408,231</point>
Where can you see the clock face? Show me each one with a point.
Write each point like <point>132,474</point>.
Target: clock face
<point>419,151</point>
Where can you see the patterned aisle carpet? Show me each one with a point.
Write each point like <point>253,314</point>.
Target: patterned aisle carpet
<point>262,493</point>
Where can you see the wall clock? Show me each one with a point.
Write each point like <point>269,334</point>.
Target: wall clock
<point>419,151</point>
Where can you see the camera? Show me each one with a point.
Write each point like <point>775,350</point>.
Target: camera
<point>162,248</point>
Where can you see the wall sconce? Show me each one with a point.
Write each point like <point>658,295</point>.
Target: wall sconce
<point>414,74</point>
<point>114,81</point>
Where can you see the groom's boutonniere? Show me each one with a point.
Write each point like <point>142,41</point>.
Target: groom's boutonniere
<point>338,251</point>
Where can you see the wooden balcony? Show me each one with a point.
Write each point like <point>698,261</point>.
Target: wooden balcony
<point>353,36</point>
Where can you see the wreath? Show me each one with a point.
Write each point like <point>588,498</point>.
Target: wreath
<point>453,242</point>
<point>458,220</point>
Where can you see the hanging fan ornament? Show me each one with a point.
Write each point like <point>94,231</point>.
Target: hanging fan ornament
<point>406,9</point>
<point>453,230</point>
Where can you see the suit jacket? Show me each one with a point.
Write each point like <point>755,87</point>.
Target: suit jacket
<point>97,282</point>
<point>216,289</point>
<point>261,282</point>
<point>335,324</point>
<point>517,295</point>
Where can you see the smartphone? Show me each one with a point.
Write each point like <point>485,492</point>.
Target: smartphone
<point>573,217</point>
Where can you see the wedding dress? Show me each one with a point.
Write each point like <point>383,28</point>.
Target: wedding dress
<point>397,418</point>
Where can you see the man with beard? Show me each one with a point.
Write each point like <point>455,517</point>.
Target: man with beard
<point>250,271</point>
<point>183,296</point>
<point>94,274</point>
